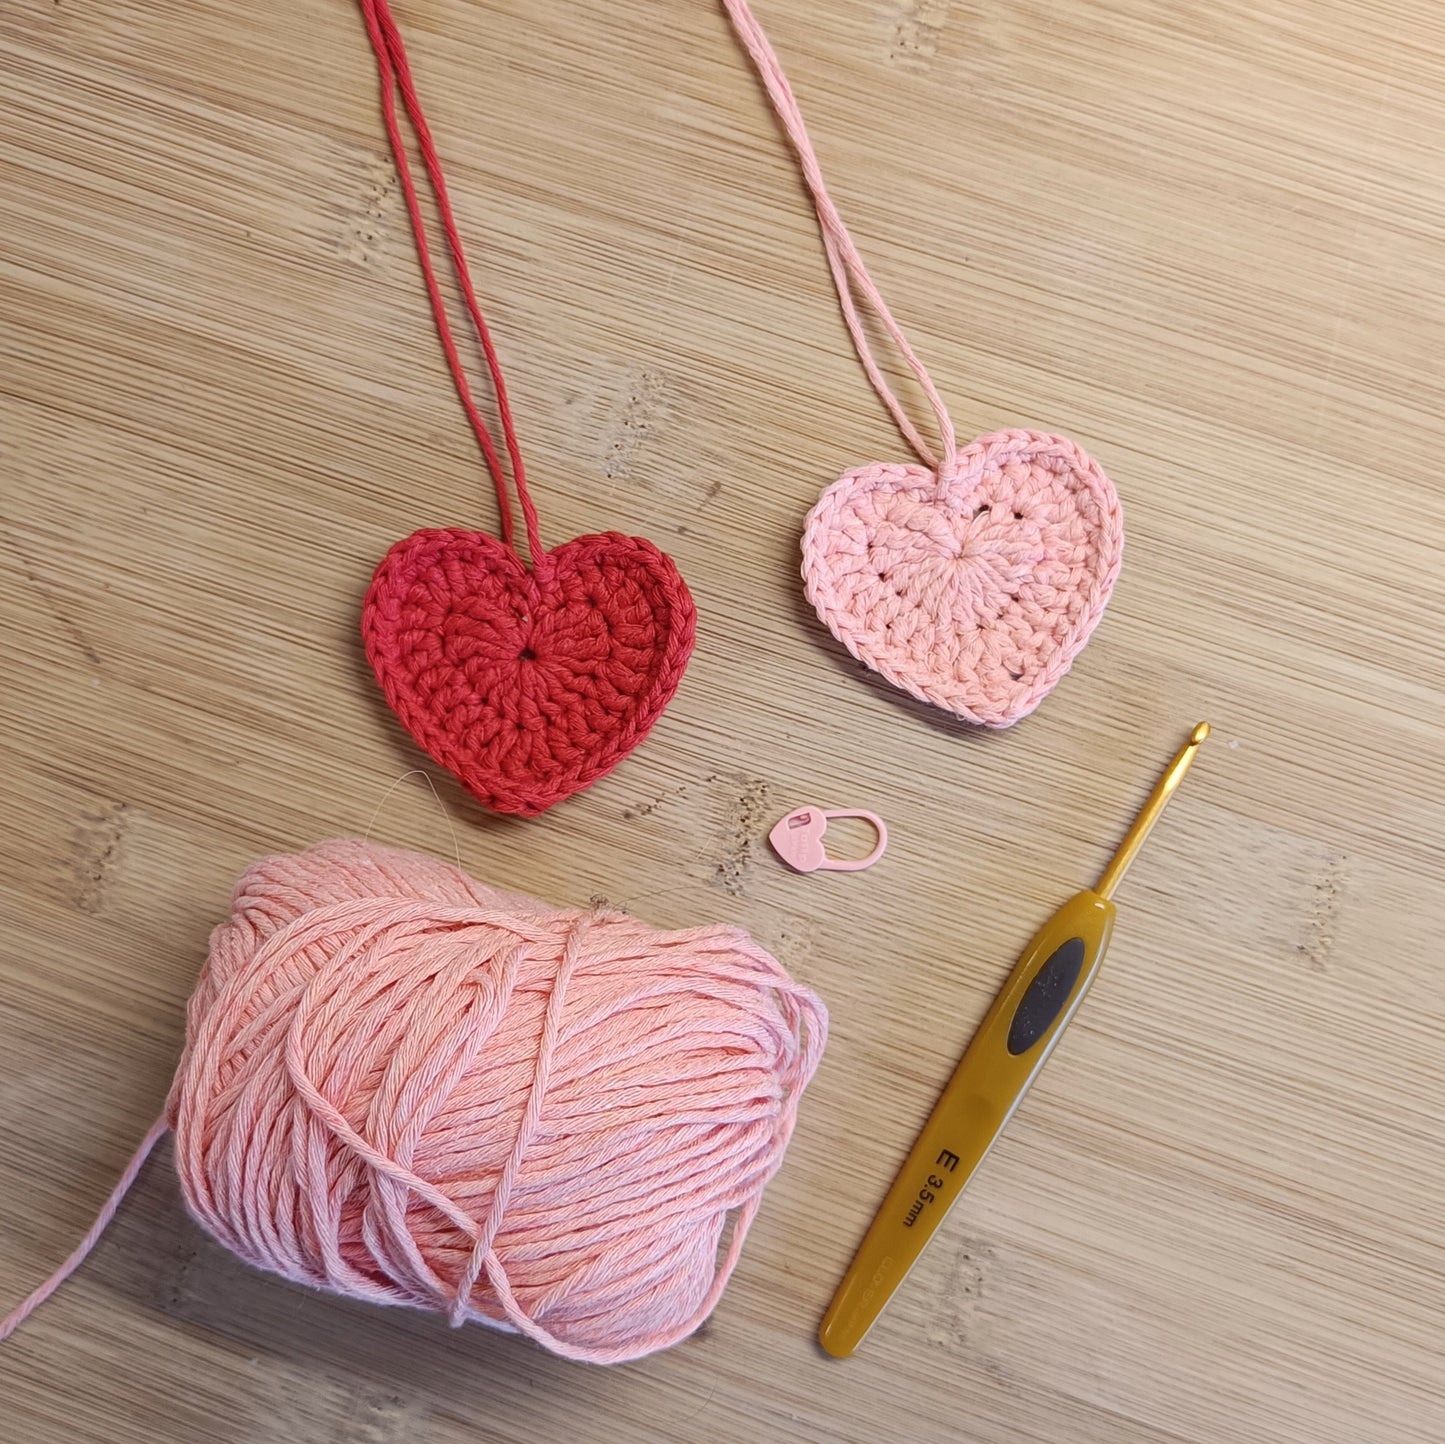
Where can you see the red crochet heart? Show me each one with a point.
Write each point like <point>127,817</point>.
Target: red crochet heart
<point>527,685</point>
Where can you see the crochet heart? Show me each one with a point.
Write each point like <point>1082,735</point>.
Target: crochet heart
<point>527,685</point>
<point>973,589</point>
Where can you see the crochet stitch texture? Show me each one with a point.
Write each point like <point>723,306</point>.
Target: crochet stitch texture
<point>973,589</point>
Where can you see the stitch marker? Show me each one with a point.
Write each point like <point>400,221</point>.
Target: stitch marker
<point>798,840</point>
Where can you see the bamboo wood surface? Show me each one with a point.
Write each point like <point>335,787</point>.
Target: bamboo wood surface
<point>1207,241</point>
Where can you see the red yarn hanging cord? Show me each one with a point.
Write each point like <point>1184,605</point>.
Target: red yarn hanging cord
<point>396,79</point>
<point>528,681</point>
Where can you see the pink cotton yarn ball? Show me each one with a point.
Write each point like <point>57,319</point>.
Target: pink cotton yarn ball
<point>402,1085</point>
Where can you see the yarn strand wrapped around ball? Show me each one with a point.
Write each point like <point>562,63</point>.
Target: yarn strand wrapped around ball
<point>404,1086</point>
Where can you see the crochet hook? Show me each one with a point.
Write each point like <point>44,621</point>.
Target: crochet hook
<point>1012,1043</point>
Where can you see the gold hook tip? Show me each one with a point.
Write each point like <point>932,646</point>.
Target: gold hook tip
<point>1149,813</point>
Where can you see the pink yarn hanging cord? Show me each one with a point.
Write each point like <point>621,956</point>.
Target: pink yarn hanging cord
<point>972,581</point>
<point>843,258</point>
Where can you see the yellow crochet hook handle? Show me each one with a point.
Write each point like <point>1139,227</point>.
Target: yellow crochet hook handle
<point>1011,1045</point>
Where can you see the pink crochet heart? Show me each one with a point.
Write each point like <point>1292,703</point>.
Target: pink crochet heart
<point>973,590</point>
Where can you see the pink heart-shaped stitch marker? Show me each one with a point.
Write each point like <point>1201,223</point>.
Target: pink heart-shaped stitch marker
<point>798,840</point>
<point>975,588</point>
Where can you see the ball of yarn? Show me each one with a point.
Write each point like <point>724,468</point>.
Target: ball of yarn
<point>404,1086</point>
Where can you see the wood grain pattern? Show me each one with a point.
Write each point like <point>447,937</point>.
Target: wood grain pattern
<point>1206,241</point>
